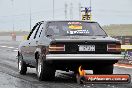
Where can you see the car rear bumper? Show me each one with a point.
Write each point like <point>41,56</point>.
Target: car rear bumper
<point>84,57</point>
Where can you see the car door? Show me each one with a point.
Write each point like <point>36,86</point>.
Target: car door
<point>26,46</point>
<point>33,44</point>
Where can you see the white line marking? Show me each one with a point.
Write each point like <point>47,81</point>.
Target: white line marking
<point>10,47</point>
<point>3,46</point>
<point>15,50</point>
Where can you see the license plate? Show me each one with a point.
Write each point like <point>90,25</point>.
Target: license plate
<point>86,47</point>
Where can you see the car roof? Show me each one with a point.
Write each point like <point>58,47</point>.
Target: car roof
<point>67,21</point>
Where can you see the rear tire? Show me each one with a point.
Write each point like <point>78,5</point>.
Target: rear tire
<point>22,67</point>
<point>103,69</point>
<point>44,71</point>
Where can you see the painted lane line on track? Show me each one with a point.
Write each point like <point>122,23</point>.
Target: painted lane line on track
<point>10,47</point>
<point>3,46</point>
<point>15,50</point>
<point>123,66</point>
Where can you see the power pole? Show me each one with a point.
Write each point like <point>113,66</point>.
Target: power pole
<point>30,16</point>
<point>66,10</point>
<point>90,10</point>
<point>71,11</point>
<point>13,34</point>
<point>53,8</point>
<point>79,11</point>
<point>13,16</point>
<point>90,4</point>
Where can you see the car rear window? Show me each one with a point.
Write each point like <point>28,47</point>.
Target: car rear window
<point>74,28</point>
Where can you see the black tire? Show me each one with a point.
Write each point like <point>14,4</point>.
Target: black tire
<point>103,69</point>
<point>22,67</point>
<point>44,71</point>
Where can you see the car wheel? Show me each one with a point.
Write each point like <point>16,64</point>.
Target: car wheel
<point>44,71</point>
<point>22,67</point>
<point>104,69</point>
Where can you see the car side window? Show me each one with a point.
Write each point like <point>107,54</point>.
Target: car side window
<point>39,31</point>
<point>33,33</point>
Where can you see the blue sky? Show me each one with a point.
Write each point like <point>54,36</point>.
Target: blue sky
<point>104,11</point>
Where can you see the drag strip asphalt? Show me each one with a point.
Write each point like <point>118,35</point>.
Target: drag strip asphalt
<point>10,78</point>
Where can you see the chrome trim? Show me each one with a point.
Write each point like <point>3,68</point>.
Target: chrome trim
<point>84,56</point>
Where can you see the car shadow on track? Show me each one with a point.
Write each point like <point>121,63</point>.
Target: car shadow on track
<point>59,78</point>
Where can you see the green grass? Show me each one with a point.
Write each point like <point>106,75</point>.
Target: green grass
<point>118,30</point>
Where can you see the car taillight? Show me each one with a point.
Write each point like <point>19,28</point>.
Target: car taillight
<point>57,47</point>
<point>113,48</point>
